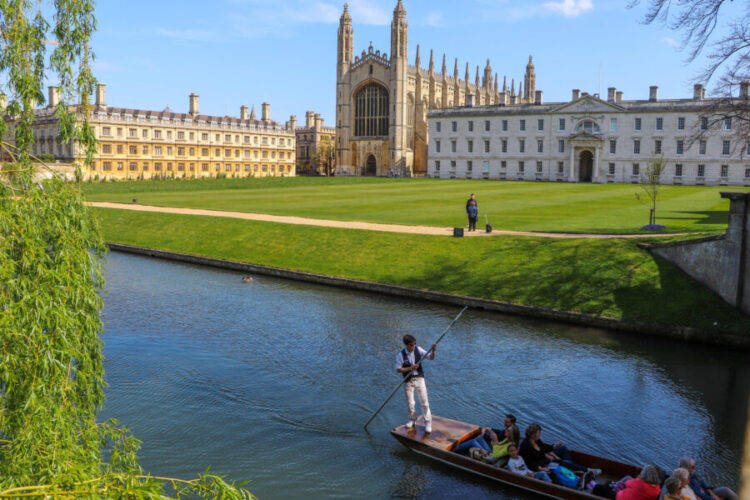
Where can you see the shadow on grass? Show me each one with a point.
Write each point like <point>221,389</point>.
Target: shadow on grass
<point>713,217</point>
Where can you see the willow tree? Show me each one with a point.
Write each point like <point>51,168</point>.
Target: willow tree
<point>51,363</point>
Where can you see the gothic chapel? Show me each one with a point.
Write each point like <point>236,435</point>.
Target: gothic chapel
<point>382,102</point>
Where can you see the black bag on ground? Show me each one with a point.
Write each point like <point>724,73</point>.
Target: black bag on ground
<point>487,226</point>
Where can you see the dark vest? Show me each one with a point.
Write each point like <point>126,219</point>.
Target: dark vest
<point>406,363</point>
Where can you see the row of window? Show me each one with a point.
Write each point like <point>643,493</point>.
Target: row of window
<point>181,151</point>
<point>182,136</point>
<point>637,124</point>
<point>107,166</point>
<point>726,146</point>
<point>611,168</point>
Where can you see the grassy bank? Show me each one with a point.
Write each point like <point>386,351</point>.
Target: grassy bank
<point>598,277</point>
<point>524,206</point>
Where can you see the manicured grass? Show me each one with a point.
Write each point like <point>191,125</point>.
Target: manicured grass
<point>526,206</point>
<point>612,278</point>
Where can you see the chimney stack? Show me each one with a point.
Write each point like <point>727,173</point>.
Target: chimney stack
<point>318,122</point>
<point>309,119</point>
<point>266,112</point>
<point>653,93</point>
<point>243,113</point>
<point>101,95</point>
<point>194,104</point>
<point>54,97</point>
<point>576,94</point>
<point>612,94</point>
<point>469,100</point>
<point>743,89</point>
<point>699,93</point>
<point>618,96</point>
<point>538,97</point>
<point>293,123</point>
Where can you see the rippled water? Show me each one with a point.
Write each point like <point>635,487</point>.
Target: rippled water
<point>272,381</point>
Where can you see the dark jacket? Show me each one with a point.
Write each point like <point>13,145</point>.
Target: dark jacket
<point>471,201</point>
<point>534,458</point>
<point>700,487</point>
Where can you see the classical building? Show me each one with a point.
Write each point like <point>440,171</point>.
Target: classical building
<point>314,138</point>
<point>382,101</point>
<point>589,139</point>
<point>141,144</point>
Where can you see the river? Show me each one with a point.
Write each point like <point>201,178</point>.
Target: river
<point>272,381</point>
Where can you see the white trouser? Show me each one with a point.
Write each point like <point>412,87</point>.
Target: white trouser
<point>417,383</point>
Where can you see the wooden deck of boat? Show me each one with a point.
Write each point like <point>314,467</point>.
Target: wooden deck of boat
<point>444,433</point>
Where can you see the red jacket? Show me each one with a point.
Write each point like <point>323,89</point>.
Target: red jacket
<point>638,489</point>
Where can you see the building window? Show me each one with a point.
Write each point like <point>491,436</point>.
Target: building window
<point>486,167</point>
<point>747,148</point>
<point>678,170</point>
<point>180,151</point>
<point>119,132</point>
<point>106,148</point>
<point>562,124</point>
<point>747,172</point>
<point>133,166</point>
<point>119,149</point>
<point>660,124</point>
<point>701,170</point>
<point>437,165</point>
<point>437,126</point>
<point>486,125</point>
<point>680,146</point>
<point>725,147</point>
<point>704,123</point>
<point>522,125</point>
<point>505,125</point>
<point>107,166</point>
<point>613,124</point>
<point>538,167</point>
<point>724,171</point>
<point>133,132</point>
<point>157,134</point>
<point>636,146</point>
<point>589,127</point>
<point>469,165</point>
<point>486,146</point>
<point>636,169</point>
<point>437,147</point>
<point>144,150</point>
<point>453,146</point>
<point>157,166</point>
<point>453,165</point>
<point>169,134</point>
<point>540,124</point>
<point>561,145</point>
<point>560,167</point>
<point>471,126</point>
<point>106,132</point>
<point>637,124</point>
<point>503,164</point>
<point>454,126</point>
<point>728,123</point>
<point>702,147</point>
<point>611,169</point>
<point>521,146</point>
<point>657,146</point>
<point>504,145</point>
<point>470,146</point>
<point>540,145</point>
<point>371,111</point>
<point>681,123</point>
<point>520,166</point>
<point>612,146</point>
<point>133,150</point>
<point>144,134</point>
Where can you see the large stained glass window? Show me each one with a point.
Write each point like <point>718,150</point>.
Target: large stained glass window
<point>371,112</point>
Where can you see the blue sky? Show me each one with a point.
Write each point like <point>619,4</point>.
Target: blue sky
<point>233,52</point>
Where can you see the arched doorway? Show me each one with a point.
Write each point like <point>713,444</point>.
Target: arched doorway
<point>586,166</point>
<point>371,167</point>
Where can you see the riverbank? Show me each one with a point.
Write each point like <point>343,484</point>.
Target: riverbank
<point>607,283</point>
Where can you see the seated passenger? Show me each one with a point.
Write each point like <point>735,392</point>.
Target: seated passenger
<point>538,454</point>
<point>477,442</point>
<point>647,486</point>
<point>672,488</point>
<point>518,466</point>
<point>702,490</point>
<point>683,475</point>
<point>509,420</point>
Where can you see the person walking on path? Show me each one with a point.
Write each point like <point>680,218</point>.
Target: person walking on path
<point>472,210</point>
<point>409,364</point>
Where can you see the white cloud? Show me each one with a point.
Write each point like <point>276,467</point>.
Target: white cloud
<point>569,8</point>
<point>364,12</point>
<point>671,42</point>
<point>435,19</point>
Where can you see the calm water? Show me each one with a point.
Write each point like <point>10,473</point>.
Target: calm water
<point>272,381</point>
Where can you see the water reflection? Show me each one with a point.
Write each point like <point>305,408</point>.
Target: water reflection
<point>272,381</point>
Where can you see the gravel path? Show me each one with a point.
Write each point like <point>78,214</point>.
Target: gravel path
<point>369,226</point>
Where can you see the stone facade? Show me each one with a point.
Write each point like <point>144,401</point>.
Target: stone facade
<point>382,101</point>
<point>311,138</point>
<point>589,139</point>
<point>139,144</point>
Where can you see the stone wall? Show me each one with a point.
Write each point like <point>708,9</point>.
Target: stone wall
<point>719,262</point>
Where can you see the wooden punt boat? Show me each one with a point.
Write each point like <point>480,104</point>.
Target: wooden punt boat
<point>447,434</point>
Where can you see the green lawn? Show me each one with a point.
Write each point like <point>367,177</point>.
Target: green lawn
<point>612,278</point>
<point>530,206</point>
